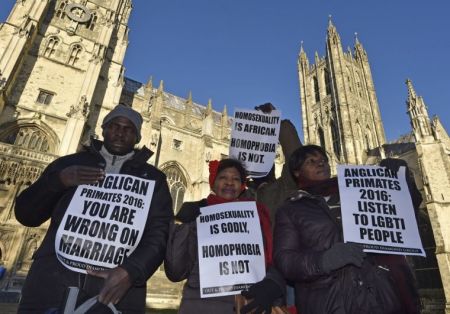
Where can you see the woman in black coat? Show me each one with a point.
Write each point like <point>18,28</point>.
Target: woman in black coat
<point>227,181</point>
<point>331,276</point>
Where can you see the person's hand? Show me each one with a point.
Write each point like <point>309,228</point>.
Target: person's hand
<point>393,164</point>
<point>266,108</point>
<point>342,254</point>
<point>262,295</point>
<point>117,282</point>
<point>188,212</point>
<point>76,175</point>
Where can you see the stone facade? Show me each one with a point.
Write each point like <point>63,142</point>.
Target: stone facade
<point>61,72</point>
<point>340,112</point>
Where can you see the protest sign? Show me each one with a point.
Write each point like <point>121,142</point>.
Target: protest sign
<point>377,210</point>
<point>104,222</point>
<point>254,140</point>
<point>230,248</point>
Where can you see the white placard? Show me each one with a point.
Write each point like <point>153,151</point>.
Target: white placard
<point>230,248</point>
<point>254,140</point>
<point>377,210</point>
<point>104,222</point>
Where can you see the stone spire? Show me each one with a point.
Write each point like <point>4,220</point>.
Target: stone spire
<point>420,121</point>
<point>158,104</point>
<point>360,53</point>
<point>332,34</point>
<point>208,120</point>
<point>188,105</point>
<point>224,122</point>
<point>149,84</point>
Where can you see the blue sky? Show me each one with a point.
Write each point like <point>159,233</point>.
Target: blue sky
<point>244,52</point>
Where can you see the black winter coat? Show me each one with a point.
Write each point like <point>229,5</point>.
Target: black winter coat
<point>48,199</point>
<point>305,227</point>
<point>181,260</point>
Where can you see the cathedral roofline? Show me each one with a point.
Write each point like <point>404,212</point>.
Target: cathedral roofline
<point>171,100</point>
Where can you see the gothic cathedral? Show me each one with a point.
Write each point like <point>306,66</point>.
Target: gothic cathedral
<point>340,112</point>
<point>61,72</point>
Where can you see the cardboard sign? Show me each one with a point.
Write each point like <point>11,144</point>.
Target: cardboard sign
<point>377,210</point>
<point>230,248</point>
<point>104,222</point>
<point>254,140</point>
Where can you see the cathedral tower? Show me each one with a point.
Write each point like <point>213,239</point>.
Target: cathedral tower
<point>58,61</point>
<point>339,106</point>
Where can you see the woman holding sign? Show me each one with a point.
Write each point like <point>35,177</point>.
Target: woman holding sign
<point>227,181</point>
<point>332,276</point>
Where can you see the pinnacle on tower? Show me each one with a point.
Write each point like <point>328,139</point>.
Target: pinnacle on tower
<point>161,87</point>
<point>149,84</point>
<point>209,107</point>
<point>189,99</point>
<point>302,55</point>
<point>330,22</point>
<point>332,34</point>
<point>224,111</point>
<point>359,50</point>
<point>418,114</point>
<point>411,91</point>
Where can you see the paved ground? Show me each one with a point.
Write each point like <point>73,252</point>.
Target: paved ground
<point>10,308</point>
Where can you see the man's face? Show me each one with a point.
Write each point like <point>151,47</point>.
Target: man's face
<point>314,168</point>
<point>119,136</point>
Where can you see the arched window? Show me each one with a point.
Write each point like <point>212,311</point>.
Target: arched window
<point>92,22</point>
<point>360,140</point>
<point>327,80</point>
<point>349,80</point>
<point>369,140</point>
<point>358,84</point>
<point>74,54</point>
<point>27,255</point>
<point>335,139</point>
<point>51,46</point>
<point>28,137</point>
<point>177,185</point>
<point>60,12</point>
<point>316,89</point>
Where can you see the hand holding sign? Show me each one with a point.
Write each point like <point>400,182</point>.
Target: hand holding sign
<point>117,283</point>
<point>264,294</point>
<point>342,254</point>
<point>266,108</point>
<point>393,164</point>
<point>77,175</point>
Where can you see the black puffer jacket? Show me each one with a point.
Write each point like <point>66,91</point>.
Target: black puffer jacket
<point>305,227</point>
<point>48,199</point>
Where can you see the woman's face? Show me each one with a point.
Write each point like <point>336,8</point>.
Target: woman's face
<point>314,168</point>
<point>228,184</point>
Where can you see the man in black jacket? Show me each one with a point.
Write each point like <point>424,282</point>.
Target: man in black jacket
<point>50,197</point>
